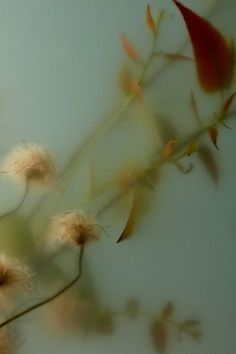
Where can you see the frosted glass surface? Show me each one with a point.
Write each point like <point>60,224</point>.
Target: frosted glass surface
<point>60,70</point>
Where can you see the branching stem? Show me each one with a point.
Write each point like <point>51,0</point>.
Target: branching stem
<point>49,298</point>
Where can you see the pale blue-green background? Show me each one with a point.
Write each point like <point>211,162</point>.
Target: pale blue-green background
<point>58,67</point>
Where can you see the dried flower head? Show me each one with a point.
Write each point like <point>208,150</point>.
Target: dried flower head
<point>74,227</point>
<point>13,276</point>
<point>31,163</point>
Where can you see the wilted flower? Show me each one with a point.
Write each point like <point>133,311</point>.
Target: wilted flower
<point>13,276</point>
<point>74,227</point>
<point>31,163</point>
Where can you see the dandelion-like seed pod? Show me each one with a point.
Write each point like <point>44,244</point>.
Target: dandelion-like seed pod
<point>31,163</point>
<point>13,276</point>
<point>74,227</point>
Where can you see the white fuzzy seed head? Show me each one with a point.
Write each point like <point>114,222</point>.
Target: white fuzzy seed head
<point>74,227</point>
<point>14,276</point>
<point>31,163</point>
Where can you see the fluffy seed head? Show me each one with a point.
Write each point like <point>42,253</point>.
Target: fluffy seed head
<point>13,276</point>
<point>30,162</point>
<point>73,227</point>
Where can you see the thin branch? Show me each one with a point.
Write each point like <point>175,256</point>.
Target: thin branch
<point>18,206</point>
<point>50,298</point>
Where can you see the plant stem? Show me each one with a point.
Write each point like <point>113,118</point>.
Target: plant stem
<point>50,298</point>
<point>103,128</point>
<point>18,206</point>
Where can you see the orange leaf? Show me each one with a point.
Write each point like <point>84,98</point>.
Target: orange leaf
<point>213,133</point>
<point>158,333</point>
<point>214,57</point>
<point>128,48</point>
<point>169,148</point>
<point>149,19</point>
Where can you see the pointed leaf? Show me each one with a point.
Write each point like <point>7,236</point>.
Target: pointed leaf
<point>213,133</point>
<point>128,48</point>
<point>226,106</point>
<point>159,335</point>
<point>208,160</point>
<point>214,57</point>
<point>168,149</point>
<point>131,222</point>
<point>149,19</point>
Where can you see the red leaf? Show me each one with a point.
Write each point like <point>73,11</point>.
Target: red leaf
<point>214,57</point>
<point>128,48</point>
<point>213,133</point>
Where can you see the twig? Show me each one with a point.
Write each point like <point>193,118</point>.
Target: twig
<point>50,298</point>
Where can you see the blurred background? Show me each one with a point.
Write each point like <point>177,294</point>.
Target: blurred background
<point>59,72</point>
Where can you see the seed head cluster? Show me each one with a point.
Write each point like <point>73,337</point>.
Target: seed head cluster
<point>74,227</point>
<point>31,163</point>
